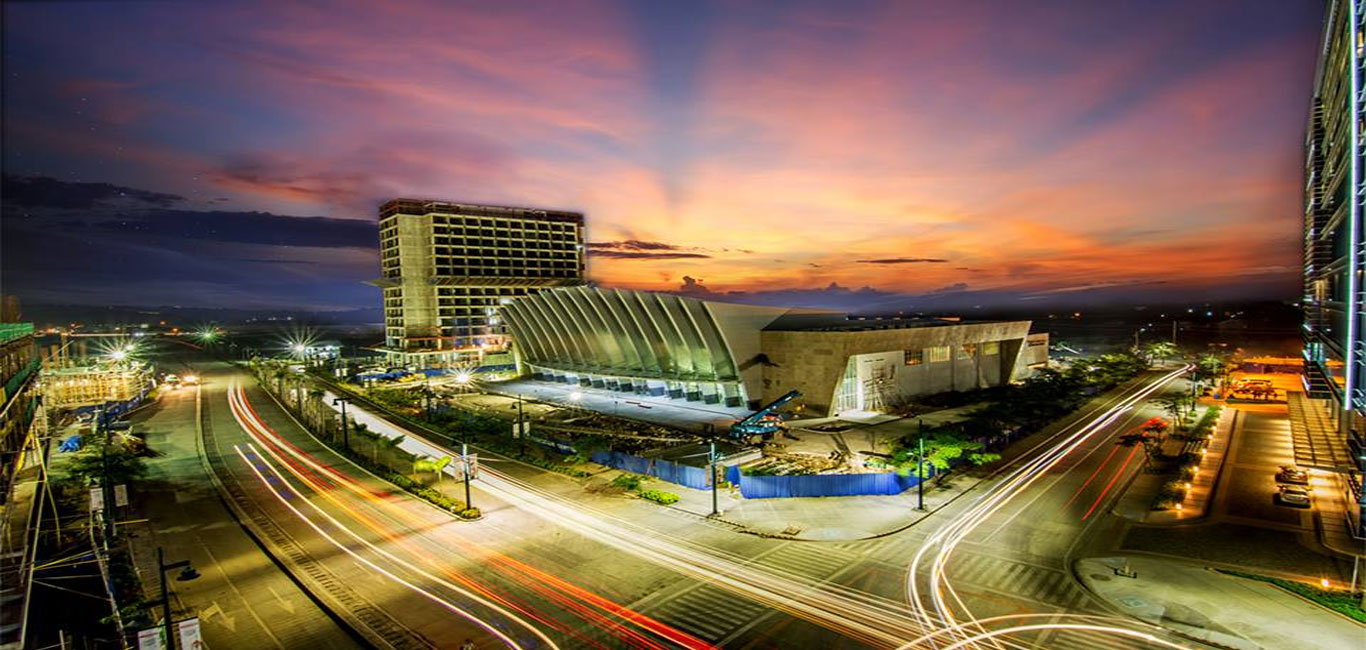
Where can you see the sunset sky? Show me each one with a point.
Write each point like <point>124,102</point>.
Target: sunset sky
<point>166,152</point>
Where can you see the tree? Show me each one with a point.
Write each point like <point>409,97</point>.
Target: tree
<point>88,465</point>
<point>1159,350</point>
<point>1174,405</point>
<point>1211,367</point>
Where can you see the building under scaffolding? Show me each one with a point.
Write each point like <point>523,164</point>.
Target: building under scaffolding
<point>87,385</point>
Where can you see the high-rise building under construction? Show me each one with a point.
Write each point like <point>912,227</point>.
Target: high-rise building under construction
<point>446,268</point>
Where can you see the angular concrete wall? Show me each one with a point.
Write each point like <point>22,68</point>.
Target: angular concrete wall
<point>813,362</point>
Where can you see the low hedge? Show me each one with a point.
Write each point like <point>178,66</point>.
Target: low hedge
<point>659,496</point>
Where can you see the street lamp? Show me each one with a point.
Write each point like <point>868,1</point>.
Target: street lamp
<point>346,437</point>
<point>187,573</point>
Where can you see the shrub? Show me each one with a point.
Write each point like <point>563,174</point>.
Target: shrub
<point>469,513</point>
<point>661,497</point>
<point>1172,490</point>
<point>1187,472</point>
<point>627,481</point>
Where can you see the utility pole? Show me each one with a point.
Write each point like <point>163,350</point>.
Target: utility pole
<point>714,480</point>
<point>920,465</point>
<point>106,485</point>
<point>1173,331</point>
<point>519,415</point>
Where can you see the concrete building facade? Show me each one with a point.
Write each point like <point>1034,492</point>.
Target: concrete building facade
<point>1334,263</point>
<point>447,267</point>
<point>664,344</point>
<point>874,365</point>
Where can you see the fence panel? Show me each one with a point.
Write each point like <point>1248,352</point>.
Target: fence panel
<point>822,485</point>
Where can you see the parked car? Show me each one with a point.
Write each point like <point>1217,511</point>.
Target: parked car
<point>1293,475</point>
<point>1290,495</point>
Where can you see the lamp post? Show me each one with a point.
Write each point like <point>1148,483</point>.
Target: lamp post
<point>519,415</point>
<point>715,510</point>
<point>346,437</point>
<point>920,465</point>
<point>187,573</point>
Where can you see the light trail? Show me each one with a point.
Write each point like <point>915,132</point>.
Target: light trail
<point>870,619</point>
<point>1118,473</point>
<point>572,598</point>
<point>270,486</point>
<point>1092,477</point>
<point>945,540</point>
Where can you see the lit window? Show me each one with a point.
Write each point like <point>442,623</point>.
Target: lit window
<point>915,357</point>
<point>938,354</point>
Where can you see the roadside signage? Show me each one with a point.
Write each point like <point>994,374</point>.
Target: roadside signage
<point>96,498</point>
<point>188,633</point>
<point>150,638</point>
<point>120,495</point>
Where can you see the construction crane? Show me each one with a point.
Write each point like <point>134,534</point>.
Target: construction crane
<point>763,422</point>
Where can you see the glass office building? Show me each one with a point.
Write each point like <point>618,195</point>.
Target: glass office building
<point>1335,362</point>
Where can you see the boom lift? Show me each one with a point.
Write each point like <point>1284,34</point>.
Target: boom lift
<point>763,422</point>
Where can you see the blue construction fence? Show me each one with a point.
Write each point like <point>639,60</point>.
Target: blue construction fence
<point>751,487</point>
<point>665,470</point>
<point>821,485</point>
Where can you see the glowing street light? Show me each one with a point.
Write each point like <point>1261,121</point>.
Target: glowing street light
<point>118,355</point>
<point>462,378</point>
<point>575,396</point>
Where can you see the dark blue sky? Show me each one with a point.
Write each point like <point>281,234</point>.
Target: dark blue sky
<point>233,153</point>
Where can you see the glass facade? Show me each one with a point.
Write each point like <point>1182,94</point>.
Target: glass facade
<point>1335,361</point>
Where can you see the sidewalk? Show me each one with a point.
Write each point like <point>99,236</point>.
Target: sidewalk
<point>1190,599</point>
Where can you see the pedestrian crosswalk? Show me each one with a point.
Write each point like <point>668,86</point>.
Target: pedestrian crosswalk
<point>1079,640</point>
<point>809,559</point>
<point>1012,578</point>
<point>708,612</point>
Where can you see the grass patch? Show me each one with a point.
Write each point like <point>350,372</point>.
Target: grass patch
<point>1341,601</point>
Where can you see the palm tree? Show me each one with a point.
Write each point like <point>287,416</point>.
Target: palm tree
<point>1159,350</point>
<point>1174,406</point>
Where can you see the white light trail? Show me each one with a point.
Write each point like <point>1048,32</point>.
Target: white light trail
<point>255,429</point>
<point>946,539</point>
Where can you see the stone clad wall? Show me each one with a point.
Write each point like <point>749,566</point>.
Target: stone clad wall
<point>813,362</point>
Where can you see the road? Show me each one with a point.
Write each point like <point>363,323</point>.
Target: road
<point>830,587</point>
<point>241,598</point>
<point>550,565</point>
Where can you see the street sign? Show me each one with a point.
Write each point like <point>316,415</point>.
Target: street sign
<point>188,633</point>
<point>96,499</point>
<point>120,495</point>
<point>474,465</point>
<point>151,638</point>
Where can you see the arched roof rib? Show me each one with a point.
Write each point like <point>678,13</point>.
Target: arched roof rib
<point>621,332</point>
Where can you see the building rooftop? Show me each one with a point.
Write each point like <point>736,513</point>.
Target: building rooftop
<point>837,322</point>
<point>426,206</point>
